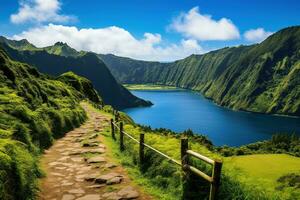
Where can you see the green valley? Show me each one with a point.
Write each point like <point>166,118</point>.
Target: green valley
<point>149,100</point>
<point>258,78</point>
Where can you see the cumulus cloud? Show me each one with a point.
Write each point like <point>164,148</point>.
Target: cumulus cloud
<point>39,11</point>
<point>257,35</point>
<point>195,25</point>
<point>113,40</point>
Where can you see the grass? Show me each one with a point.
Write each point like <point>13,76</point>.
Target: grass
<point>149,87</point>
<point>264,170</point>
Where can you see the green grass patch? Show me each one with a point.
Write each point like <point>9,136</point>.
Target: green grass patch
<point>264,171</point>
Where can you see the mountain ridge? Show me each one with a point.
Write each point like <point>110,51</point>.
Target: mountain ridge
<point>85,64</point>
<point>257,78</point>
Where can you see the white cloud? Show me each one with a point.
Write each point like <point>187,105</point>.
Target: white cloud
<point>113,40</point>
<point>39,11</point>
<point>257,35</point>
<point>202,27</point>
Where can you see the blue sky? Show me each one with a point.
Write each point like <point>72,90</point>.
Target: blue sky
<point>148,30</point>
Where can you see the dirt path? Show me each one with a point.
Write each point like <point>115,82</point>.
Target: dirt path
<point>77,167</point>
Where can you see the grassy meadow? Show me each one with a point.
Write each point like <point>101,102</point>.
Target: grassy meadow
<point>265,171</point>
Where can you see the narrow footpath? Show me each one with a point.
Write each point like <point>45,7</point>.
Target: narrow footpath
<point>77,167</point>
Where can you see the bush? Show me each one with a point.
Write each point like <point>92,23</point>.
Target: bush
<point>18,171</point>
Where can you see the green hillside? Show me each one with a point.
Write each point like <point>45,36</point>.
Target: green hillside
<point>34,110</point>
<point>61,58</point>
<point>259,78</point>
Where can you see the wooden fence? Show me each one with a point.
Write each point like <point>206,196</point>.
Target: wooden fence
<point>213,179</point>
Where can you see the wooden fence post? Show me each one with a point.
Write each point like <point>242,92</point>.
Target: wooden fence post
<point>117,116</point>
<point>121,137</point>
<point>184,162</point>
<point>216,175</point>
<point>142,155</point>
<point>112,129</point>
<point>184,148</point>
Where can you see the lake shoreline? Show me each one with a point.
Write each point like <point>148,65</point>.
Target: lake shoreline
<point>167,88</point>
<point>237,121</point>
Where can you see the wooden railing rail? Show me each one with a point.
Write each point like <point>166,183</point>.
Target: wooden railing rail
<point>213,179</point>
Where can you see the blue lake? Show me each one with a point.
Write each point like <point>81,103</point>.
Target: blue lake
<point>179,110</point>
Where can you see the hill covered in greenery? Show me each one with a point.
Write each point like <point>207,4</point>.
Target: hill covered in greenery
<point>261,78</point>
<point>35,109</point>
<point>60,58</point>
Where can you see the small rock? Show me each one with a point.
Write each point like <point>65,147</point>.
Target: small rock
<point>92,144</point>
<point>100,150</point>
<point>54,163</point>
<point>67,184</point>
<point>68,197</point>
<point>76,159</point>
<point>110,165</point>
<point>91,177</point>
<point>90,197</point>
<point>96,186</point>
<point>75,152</point>
<point>114,180</point>
<point>111,196</point>
<point>112,177</point>
<point>76,191</point>
<point>128,193</point>
<point>92,136</point>
<point>96,159</point>
<point>57,174</point>
<point>60,168</point>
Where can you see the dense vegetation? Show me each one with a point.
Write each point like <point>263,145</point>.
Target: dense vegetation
<point>259,78</point>
<point>61,58</point>
<point>279,143</point>
<point>34,110</point>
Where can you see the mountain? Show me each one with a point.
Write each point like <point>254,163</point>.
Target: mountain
<point>34,110</point>
<point>261,78</point>
<point>61,58</point>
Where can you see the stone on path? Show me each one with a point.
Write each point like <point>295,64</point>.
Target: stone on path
<point>91,144</point>
<point>68,197</point>
<point>98,150</point>
<point>96,159</point>
<point>110,165</point>
<point>92,136</point>
<point>128,193</point>
<point>76,191</point>
<point>96,186</point>
<point>90,197</point>
<point>111,196</point>
<point>111,178</point>
<point>91,177</point>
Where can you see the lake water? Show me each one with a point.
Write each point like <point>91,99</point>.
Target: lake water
<point>179,110</point>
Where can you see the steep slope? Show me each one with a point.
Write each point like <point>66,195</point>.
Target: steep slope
<point>259,78</point>
<point>61,58</point>
<point>34,110</point>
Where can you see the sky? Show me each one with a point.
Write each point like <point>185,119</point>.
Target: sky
<point>156,30</point>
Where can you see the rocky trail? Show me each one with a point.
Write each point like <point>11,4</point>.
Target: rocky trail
<point>78,167</point>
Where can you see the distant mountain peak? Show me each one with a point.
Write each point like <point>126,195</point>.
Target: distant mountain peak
<point>61,44</point>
